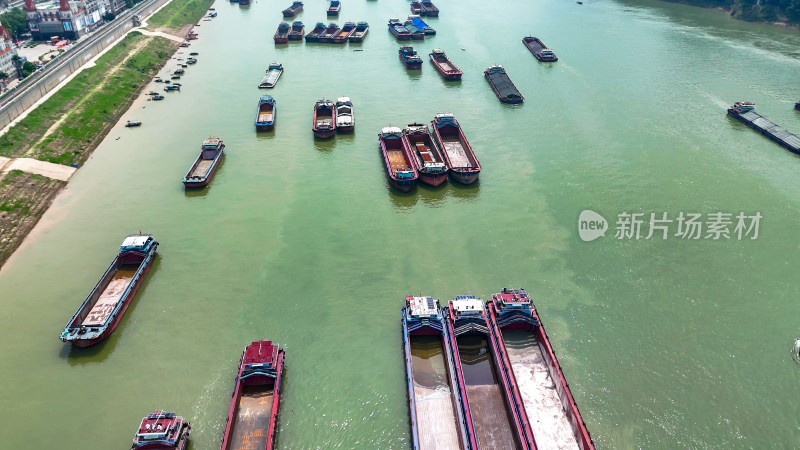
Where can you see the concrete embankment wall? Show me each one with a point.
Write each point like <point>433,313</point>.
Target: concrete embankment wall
<point>72,62</point>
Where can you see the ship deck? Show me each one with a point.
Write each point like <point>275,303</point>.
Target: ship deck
<point>445,65</point>
<point>265,116</point>
<point>503,84</point>
<point>436,420</point>
<point>111,295</point>
<point>773,131</point>
<point>202,168</point>
<point>397,160</point>
<point>546,414</point>
<point>456,152</point>
<point>252,419</point>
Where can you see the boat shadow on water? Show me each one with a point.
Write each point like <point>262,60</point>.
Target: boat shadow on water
<point>97,353</point>
<point>403,201</point>
<point>464,191</point>
<point>325,145</point>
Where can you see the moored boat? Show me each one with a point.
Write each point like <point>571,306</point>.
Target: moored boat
<point>502,85</point>
<point>416,33</point>
<point>797,106</point>
<point>133,123</point>
<point>265,113</point>
<point>420,24</point>
<point>745,112</point>
<point>429,9</point>
<point>255,403</point>
<point>434,396</point>
<point>399,169</point>
<point>324,125</point>
<point>293,10</point>
<point>548,403</point>
<point>282,33</point>
<point>325,36</point>
<point>539,50</point>
<point>172,88</point>
<point>273,74</point>
<point>409,57</point>
<point>162,431</point>
<point>398,30</point>
<point>297,30</point>
<point>212,14</point>
<point>313,35</point>
<point>102,310</point>
<point>416,7</point>
<point>427,159</point>
<point>362,28</point>
<point>444,65</point>
<point>206,164</point>
<point>334,8</point>
<point>342,35</point>
<point>345,117</point>
<point>448,136</point>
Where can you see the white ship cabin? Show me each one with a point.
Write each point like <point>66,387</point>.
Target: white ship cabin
<point>423,307</point>
<point>468,306</point>
<point>135,242</point>
<point>212,143</point>
<point>445,116</point>
<point>387,131</point>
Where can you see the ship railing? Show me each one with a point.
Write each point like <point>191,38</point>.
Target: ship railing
<point>471,326</point>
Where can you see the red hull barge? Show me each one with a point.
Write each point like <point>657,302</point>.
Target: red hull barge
<point>491,401</point>
<point>293,10</point>
<point>429,9</point>
<point>296,33</point>
<point>444,66</point>
<point>539,50</point>
<point>206,165</point>
<point>103,309</point>
<point>416,8</point>
<point>399,169</point>
<point>282,34</point>
<point>342,35</point>
<point>427,159</point>
<point>324,124</point>
<point>464,166</point>
<point>553,414</point>
<point>313,35</point>
<point>362,28</point>
<point>255,402</point>
<point>326,35</point>
<point>162,431</point>
<point>334,8</point>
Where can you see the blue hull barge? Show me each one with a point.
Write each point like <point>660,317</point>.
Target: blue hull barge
<point>102,310</point>
<point>502,85</point>
<point>745,112</point>
<point>434,397</point>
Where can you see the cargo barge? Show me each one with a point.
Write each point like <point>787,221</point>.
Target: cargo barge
<point>342,35</point>
<point>427,159</point>
<point>424,27</point>
<point>265,114</point>
<point>162,431</point>
<point>324,125</point>
<point>549,405</point>
<point>345,117</point>
<point>434,398</point>
<point>205,166</point>
<point>797,106</point>
<point>325,36</point>
<point>502,85</point>
<point>444,65</point>
<point>399,169</point>
<point>398,30</point>
<point>458,154</point>
<point>293,10</point>
<point>334,8</point>
<point>745,112</point>
<point>255,402</point>
<point>416,33</point>
<point>282,33</point>
<point>409,57</point>
<point>429,9</point>
<point>103,309</point>
<point>362,28</point>
<point>539,50</point>
<point>313,35</point>
<point>273,74</point>
<point>491,402</point>
<point>296,33</point>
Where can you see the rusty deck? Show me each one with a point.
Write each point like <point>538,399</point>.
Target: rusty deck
<point>252,419</point>
<point>110,296</point>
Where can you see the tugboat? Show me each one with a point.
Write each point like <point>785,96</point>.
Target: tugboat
<point>293,10</point>
<point>282,33</point>
<point>205,166</point>
<point>255,403</point>
<point>362,28</point>
<point>409,57</point>
<point>334,8</point>
<point>102,310</point>
<point>345,119</point>
<point>313,35</point>
<point>296,33</point>
<point>398,30</point>
<point>342,35</point>
<point>265,113</point>
<point>274,72</point>
<point>324,125</point>
<point>539,50</point>
<point>399,169</point>
<point>446,68</point>
<point>427,159</point>
<point>502,85</point>
<point>447,134</point>
<point>162,431</point>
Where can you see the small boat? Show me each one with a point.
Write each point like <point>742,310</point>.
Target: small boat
<point>162,431</point>
<point>133,123</point>
<point>409,57</point>
<point>102,310</point>
<point>255,403</point>
<point>326,35</point>
<point>297,30</point>
<point>313,35</point>
<point>168,81</point>
<point>282,33</point>
<point>191,36</point>
<point>324,125</point>
<point>797,106</point>
<point>172,88</point>
<point>191,61</point>
<point>293,10</point>
<point>427,159</point>
<point>158,97</point>
<point>416,8</point>
<point>193,54</point>
<point>399,169</point>
<point>184,65</point>
<point>184,44</point>
<point>345,118</point>
<point>424,27</point>
<point>334,8</point>
<point>273,75</point>
<point>206,164</point>
<point>244,2</point>
<point>398,30</point>
<point>152,93</point>
<point>458,154</point>
<point>175,77</point>
<point>177,84</point>
<point>539,50</point>
<point>212,14</point>
<point>446,68</point>
<point>579,2</point>
<point>342,35</point>
<point>265,113</point>
<point>429,9</point>
<point>179,72</point>
<point>502,85</point>
<point>416,33</point>
<point>158,80</point>
<point>362,28</point>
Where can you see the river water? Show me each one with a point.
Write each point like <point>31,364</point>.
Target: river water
<point>666,343</point>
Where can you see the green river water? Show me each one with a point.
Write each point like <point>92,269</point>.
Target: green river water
<point>666,343</point>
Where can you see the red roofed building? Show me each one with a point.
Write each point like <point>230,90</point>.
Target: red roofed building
<point>7,50</point>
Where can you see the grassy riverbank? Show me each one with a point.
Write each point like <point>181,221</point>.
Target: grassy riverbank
<point>178,14</point>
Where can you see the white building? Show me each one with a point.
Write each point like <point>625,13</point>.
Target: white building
<point>7,51</point>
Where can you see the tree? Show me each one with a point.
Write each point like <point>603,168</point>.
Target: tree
<point>27,68</point>
<point>109,16</point>
<point>15,21</point>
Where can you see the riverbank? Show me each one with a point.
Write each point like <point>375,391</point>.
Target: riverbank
<point>747,13</point>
